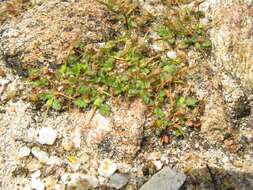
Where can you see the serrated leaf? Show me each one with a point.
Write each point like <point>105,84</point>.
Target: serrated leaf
<point>97,102</point>
<point>80,103</point>
<point>56,105</point>
<point>105,109</point>
<point>159,112</point>
<point>191,101</point>
<point>170,69</point>
<point>180,102</point>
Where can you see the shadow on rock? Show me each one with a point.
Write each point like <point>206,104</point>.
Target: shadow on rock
<point>211,178</point>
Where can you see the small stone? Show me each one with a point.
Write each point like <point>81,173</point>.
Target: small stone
<point>51,183</point>
<point>166,179</point>
<point>33,165</point>
<point>32,134</point>
<point>92,180</point>
<point>54,161</point>
<point>68,146</point>
<point>154,156</point>
<point>172,54</point>
<point>36,174</point>
<point>158,164</point>
<point>84,158</point>
<point>47,135</point>
<point>23,152</point>
<point>40,155</point>
<point>37,184</point>
<point>118,181</point>
<point>75,166</point>
<point>124,168</point>
<point>107,168</point>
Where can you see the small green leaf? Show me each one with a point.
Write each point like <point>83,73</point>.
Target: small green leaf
<point>80,103</point>
<point>108,65</point>
<point>164,31</point>
<point>179,132</point>
<point>180,102</point>
<point>50,102</point>
<point>69,91</point>
<point>191,101</point>
<point>170,69</point>
<point>84,90</point>
<point>56,105</point>
<point>41,83</point>
<point>159,113</point>
<point>45,96</point>
<point>97,102</point>
<point>206,44</point>
<point>105,109</point>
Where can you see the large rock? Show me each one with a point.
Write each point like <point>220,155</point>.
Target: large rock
<point>232,40</point>
<point>47,32</point>
<point>120,135</point>
<point>166,179</point>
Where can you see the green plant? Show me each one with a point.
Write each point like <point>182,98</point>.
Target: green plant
<point>124,68</point>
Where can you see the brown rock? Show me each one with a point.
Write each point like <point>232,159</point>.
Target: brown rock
<point>119,135</point>
<point>46,33</point>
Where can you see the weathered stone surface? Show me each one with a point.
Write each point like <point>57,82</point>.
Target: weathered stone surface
<point>118,181</point>
<point>119,135</point>
<point>232,40</point>
<point>47,32</point>
<point>166,179</point>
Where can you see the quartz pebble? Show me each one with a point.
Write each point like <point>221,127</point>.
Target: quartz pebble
<point>33,165</point>
<point>37,184</point>
<point>23,152</point>
<point>171,54</point>
<point>40,155</point>
<point>107,168</point>
<point>47,135</point>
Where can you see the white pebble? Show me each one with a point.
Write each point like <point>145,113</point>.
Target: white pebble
<point>23,152</point>
<point>40,155</point>
<point>37,184</point>
<point>54,161</point>
<point>158,164</point>
<point>47,135</point>
<point>107,168</point>
<point>172,54</point>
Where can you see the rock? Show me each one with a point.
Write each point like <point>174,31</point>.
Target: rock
<point>166,179</point>
<point>172,54</point>
<point>31,135</point>
<point>107,168</point>
<point>127,122</point>
<point>54,161</point>
<point>93,181</point>
<point>68,146</point>
<point>46,33</point>
<point>118,181</point>
<point>23,152</point>
<point>10,91</point>
<point>47,135</point>
<point>37,184</point>
<point>158,164</point>
<point>40,155</point>
<point>154,156</point>
<point>33,165</point>
<point>233,41</point>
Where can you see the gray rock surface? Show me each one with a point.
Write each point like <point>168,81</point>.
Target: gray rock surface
<point>166,179</point>
<point>118,181</point>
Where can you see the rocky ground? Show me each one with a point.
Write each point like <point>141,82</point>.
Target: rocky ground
<point>85,150</point>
